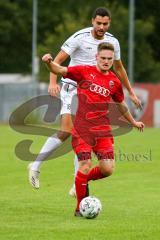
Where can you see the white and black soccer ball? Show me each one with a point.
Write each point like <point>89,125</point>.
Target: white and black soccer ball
<point>90,207</point>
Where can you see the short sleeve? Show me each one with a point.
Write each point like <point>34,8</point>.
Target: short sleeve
<point>117,51</point>
<point>70,45</point>
<point>118,95</point>
<point>75,73</point>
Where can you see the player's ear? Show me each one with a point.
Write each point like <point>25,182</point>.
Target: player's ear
<point>96,56</point>
<point>109,24</point>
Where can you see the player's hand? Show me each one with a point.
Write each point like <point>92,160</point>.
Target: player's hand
<point>135,100</point>
<point>47,58</point>
<point>54,89</point>
<point>139,125</point>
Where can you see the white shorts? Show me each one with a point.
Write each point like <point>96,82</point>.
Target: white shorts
<point>69,99</point>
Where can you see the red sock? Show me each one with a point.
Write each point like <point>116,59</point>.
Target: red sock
<point>95,174</point>
<point>80,183</point>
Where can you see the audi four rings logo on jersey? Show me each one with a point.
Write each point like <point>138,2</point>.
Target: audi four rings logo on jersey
<point>100,90</point>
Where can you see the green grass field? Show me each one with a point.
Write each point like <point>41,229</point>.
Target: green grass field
<point>130,197</point>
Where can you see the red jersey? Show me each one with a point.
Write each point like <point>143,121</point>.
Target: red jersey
<point>95,90</point>
<point>100,88</point>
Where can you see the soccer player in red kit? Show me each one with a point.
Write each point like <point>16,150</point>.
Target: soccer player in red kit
<point>81,48</point>
<point>97,85</point>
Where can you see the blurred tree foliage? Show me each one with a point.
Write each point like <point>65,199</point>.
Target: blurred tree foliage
<point>15,36</point>
<point>58,19</point>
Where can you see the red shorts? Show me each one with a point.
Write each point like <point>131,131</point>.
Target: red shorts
<point>102,147</point>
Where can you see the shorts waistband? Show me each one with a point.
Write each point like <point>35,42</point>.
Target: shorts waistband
<point>68,86</point>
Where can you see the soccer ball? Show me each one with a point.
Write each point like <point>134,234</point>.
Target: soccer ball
<point>90,207</point>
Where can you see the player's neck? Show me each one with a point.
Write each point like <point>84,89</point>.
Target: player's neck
<point>95,36</point>
<point>105,72</point>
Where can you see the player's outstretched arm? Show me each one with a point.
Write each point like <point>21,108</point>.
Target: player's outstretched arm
<point>54,87</point>
<point>54,67</point>
<point>121,73</point>
<point>127,115</point>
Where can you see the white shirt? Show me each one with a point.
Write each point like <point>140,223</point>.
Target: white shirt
<point>82,48</point>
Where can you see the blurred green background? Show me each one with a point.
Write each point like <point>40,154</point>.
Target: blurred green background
<point>58,19</point>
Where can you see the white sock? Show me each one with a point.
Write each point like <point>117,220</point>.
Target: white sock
<point>76,165</point>
<point>50,145</point>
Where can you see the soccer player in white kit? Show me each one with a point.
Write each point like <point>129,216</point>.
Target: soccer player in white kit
<point>81,47</point>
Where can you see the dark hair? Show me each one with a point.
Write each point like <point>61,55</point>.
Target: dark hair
<point>101,11</point>
<point>105,46</point>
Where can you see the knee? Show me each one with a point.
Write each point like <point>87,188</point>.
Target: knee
<point>85,166</point>
<point>107,168</point>
<point>63,135</point>
<point>107,172</point>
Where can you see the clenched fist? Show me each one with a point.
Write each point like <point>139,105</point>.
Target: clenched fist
<point>47,58</point>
